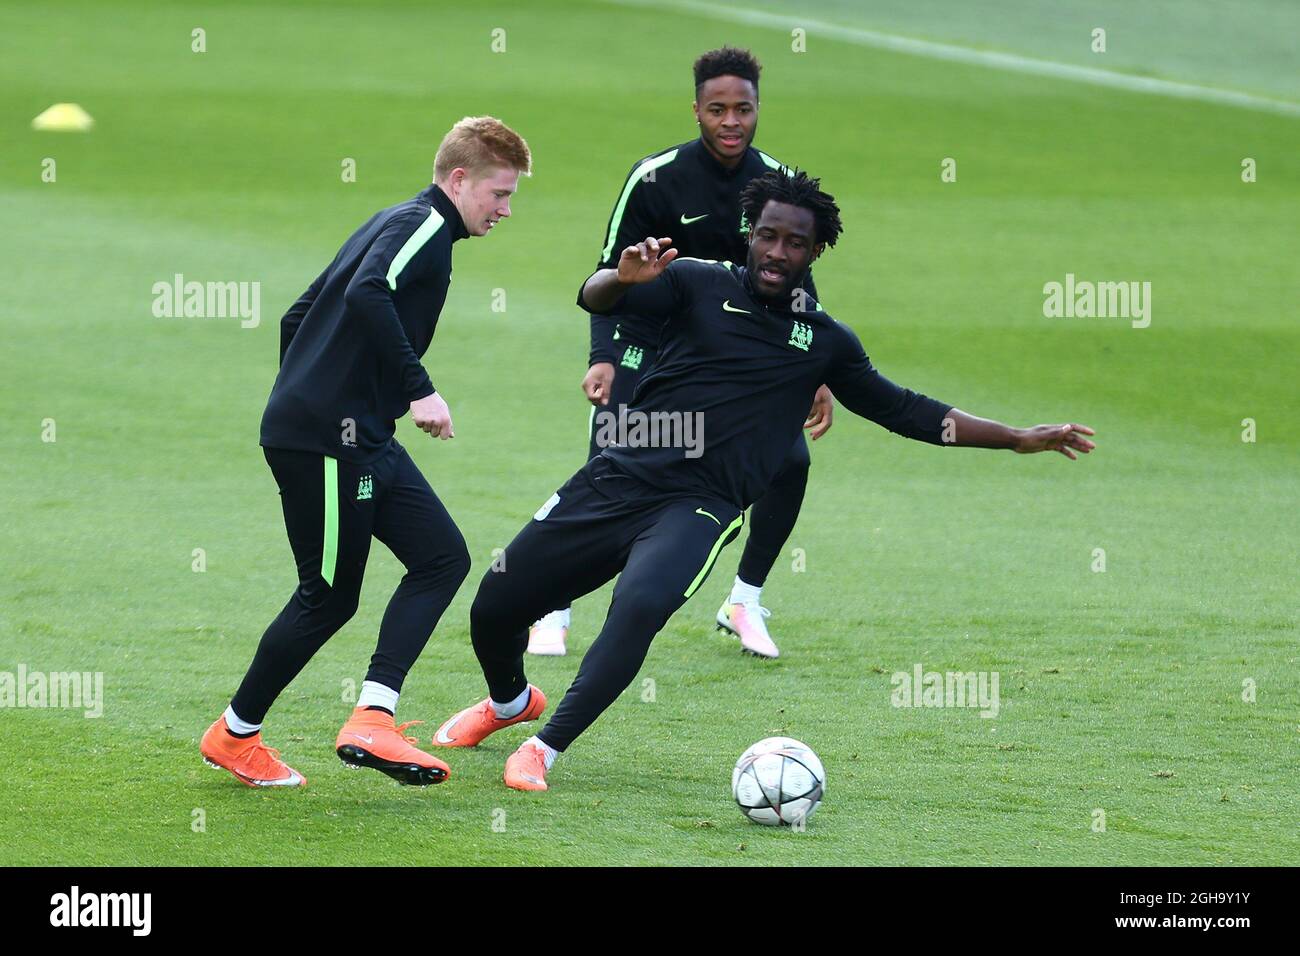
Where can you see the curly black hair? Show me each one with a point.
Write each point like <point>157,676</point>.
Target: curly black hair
<point>795,188</point>
<point>727,61</point>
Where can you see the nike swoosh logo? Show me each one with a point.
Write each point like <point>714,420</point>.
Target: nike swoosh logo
<point>369,740</point>
<point>701,511</point>
<point>687,222</point>
<point>727,307</point>
<point>292,780</point>
<point>442,731</point>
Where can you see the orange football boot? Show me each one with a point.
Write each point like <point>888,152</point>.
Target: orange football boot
<point>526,768</point>
<point>252,762</point>
<point>369,739</point>
<point>469,727</point>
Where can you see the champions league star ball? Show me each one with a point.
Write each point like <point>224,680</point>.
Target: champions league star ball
<point>778,781</point>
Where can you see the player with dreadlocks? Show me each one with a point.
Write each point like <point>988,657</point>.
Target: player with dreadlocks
<point>741,355</point>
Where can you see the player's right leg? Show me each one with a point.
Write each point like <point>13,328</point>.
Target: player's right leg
<point>548,637</point>
<point>576,542</point>
<point>771,520</point>
<point>330,538</point>
<point>670,558</point>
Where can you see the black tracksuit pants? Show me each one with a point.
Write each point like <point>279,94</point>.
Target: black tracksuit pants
<point>602,521</point>
<point>332,509</point>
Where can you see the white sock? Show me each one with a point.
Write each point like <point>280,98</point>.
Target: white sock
<point>512,708</point>
<point>377,695</point>
<point>238,726</point>
<point>551,752</point>
<point>742,593</point>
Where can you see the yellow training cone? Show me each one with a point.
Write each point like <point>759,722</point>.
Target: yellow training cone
<point>64,118</point>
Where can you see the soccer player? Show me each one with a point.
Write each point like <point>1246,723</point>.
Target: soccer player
<point>734,351</point>
<point>692,192</point>
<point>350,351</point>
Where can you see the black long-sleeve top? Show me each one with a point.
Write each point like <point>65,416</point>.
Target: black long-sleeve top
<point>749,369</point>
<point>350,347</point>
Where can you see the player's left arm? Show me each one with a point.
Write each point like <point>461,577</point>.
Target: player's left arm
<point>864,391</point>
<point>974,432</point>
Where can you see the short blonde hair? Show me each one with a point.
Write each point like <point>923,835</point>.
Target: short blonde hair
<point>480,143</point>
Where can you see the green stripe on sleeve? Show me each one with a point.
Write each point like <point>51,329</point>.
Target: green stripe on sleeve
<point>713,554</point>
<point>330,552</point>
<point>773,164</point>
<point>413,245</point>
<point>643,169</point>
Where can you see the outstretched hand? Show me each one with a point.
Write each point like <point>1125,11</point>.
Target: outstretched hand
<point>645,261</point>
<point>1067,439</point>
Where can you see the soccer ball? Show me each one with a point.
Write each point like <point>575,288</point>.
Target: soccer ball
<point>778,781</point>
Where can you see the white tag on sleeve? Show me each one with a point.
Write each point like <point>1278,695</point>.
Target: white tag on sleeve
<point>545,509</point>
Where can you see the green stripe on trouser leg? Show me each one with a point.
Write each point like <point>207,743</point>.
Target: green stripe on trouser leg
<point>330,551</point>
<point>713,554</point>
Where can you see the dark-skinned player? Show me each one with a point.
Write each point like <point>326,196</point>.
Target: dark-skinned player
<point>734,350</point>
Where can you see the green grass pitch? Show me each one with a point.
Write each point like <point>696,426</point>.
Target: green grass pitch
<point>1121,691</point>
